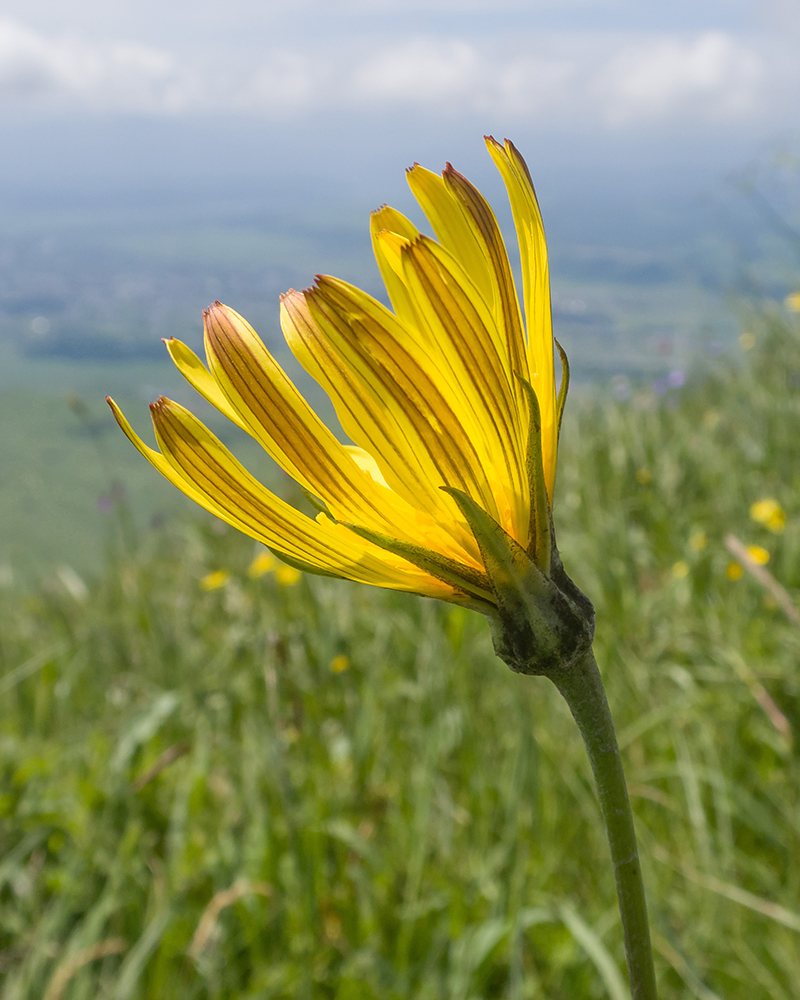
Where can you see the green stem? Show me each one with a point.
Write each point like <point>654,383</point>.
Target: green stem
<point>582,687</point>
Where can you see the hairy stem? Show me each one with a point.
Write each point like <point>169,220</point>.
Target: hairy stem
<point>582,687</point>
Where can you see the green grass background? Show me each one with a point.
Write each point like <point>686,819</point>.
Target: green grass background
<point>194,804</point>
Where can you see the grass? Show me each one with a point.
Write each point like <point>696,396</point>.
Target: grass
<point>321,790</point>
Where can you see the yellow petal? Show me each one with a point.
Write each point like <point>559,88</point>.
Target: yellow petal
<point>201,379</point>
<point>202,468</point>
<point>276,414</point>
<point>536,291</point>
<point>366,462</point>
<point>425,430</point>
<point>461,328</point>
<point>390,231</point>
<point>416,501</point>
<point>157,460</point>
<point>451,226</point>
<point>505,303</point>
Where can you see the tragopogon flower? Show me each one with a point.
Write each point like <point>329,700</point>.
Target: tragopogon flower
<point>451,406</point>
<point>447,487</point>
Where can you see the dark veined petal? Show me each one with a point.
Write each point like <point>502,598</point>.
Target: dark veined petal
<point>507,307</point>
<point>381,432</point>
<point>465,224</point>
<point>460,337</point>
<point>390,231</point>
<point>451,226</point>
<point>536,291</point>
<point>200,466</point>
<point>378,352</point>
<point>276,414</point>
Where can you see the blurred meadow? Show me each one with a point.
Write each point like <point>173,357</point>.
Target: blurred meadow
<point>221,779</point>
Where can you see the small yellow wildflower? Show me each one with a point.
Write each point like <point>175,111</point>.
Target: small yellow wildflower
<point>734,571</point>
<point>262,564</point>
<point>747,341</point>
<point>698,541</point>
<point>287,576</point>
<point>792,302</point>
<point>216,579</point>
<point>758,554</point>
<point>680,570</point>
<point>769,513</point>
<point>644,476</point>
<point>339,664</point>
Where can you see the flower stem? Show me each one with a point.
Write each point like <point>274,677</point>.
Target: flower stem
<point>582,687</point>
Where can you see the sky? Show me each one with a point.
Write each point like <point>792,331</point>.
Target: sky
<point>625,109</point>
<point>705,75</point>
<point>613,64</point>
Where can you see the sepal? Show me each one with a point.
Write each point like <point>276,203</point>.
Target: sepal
<point>471,582</point>
<point>564,387</point>
<point>543,624</point>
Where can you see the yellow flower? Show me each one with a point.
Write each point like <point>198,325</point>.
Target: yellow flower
<point>758,554</point>
<point>769,513</point>
<point>734,571</point>
<point>792,302</point>
<point>644,476</point>
<point>262,564</point>
<point>451,405</point>
<point>747,341</point>
<point>339,664</point>
<point>213,581</point>
<point>680,570</point>
<point>287,576</point>
<point>698,541</point>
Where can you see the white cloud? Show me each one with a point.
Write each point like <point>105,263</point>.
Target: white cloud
<point>618,79</point>
<point>119,76</point>
<point>571,79</point>
<point>711,75</point>
<point>419,71</point>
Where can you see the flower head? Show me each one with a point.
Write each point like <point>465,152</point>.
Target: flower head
<point>769,513</point>
<point>792,302</point>
<point>216,579</point>
<point>451,405</point>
